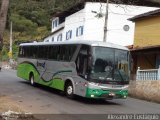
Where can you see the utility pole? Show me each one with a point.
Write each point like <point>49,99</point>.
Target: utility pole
<point>10,48</point>
<point>106,22</point>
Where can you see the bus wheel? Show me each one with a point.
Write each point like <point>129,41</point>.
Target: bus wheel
<point>69,90</point>
<point>31,79</point>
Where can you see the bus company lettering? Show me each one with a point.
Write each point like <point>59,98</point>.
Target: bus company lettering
<point>41,64</point>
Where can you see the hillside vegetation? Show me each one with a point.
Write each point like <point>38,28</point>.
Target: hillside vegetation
<point>31,20</point>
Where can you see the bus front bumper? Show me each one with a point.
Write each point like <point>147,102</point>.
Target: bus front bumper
<point>106,94</point>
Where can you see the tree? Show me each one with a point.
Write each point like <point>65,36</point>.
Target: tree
<point>3,18</point>
<point>4,53</point>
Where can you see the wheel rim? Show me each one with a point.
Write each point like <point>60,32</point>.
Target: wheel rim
<point>32,81</point>
<point>69,90</point>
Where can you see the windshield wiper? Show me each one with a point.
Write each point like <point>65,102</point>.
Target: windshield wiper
<point>120,74</point>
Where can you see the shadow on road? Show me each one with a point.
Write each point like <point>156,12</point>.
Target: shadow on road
<point>77,98</point>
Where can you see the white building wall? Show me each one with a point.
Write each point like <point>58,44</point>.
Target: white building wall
<point>49,38</point>
<point>117,18</point>
<point>72,22</point>
<point>93,27</point>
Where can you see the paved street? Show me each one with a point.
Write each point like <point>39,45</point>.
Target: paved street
<point>43,100</point>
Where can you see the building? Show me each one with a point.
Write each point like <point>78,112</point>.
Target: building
<point>85,21</point>
<point>146,47</point>
<point>147,29</point>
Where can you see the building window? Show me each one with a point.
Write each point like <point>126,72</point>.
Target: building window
<point>55,23</point>
<point>52,39</point>
<point>69,35</point>
<point>79,31</point>
<point>59,38</point>
<point>46,40</point>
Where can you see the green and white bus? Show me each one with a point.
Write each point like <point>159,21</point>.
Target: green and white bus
<point>89,69</point>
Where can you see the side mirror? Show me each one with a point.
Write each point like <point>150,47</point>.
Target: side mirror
<point>90,61</point>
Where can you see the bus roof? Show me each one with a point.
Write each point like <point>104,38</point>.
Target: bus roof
<point>91,43</point>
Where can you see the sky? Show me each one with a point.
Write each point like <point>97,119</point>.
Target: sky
<point>118,16</point>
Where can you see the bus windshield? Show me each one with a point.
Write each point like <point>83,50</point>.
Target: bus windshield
<point>110,66</point>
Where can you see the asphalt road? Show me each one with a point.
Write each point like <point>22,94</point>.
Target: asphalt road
<point>49,101</point>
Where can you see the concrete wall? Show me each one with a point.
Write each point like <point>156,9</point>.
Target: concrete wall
<point>147,90</point>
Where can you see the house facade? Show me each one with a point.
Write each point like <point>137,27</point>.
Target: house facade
<point>147,29</point>
<point>146,47</point>
<point>85,21</point>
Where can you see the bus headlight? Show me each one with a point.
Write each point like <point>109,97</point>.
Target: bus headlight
<point>92,83</point>
<point>92,95</point>
<point>125,96</point>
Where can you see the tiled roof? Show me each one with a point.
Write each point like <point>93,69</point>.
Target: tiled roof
<point>145,48</point>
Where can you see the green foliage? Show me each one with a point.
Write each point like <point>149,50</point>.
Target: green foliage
<point>21,24</point>
<point>28,16</point>
<point>61,5</point>
<point>15,51</point>
<point>4,53</point>
<point>31,20</point>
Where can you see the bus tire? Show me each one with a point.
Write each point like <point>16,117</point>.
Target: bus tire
<point>69,90</point>
<point>31,79</point>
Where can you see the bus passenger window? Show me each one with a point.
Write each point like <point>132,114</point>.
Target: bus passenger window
<point>20,52</point>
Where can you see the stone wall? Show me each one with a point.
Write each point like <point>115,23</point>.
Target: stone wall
<point>146,89</point>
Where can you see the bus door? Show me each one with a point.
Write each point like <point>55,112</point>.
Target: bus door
<point>82,68</point>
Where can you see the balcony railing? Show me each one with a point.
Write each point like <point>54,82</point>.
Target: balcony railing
<point>148,74</point>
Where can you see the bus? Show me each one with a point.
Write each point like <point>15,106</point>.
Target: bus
<point>89,69</point>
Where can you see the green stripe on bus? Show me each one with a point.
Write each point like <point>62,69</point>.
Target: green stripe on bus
<point>99,93</point>
<point>24,69</point>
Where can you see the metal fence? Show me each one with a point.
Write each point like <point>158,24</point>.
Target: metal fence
<point>148,74</point>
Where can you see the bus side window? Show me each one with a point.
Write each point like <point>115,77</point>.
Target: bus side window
<point>62,53</point>
<point>66,53</point>
<point>45,52</point>
<point>25,51</point>
<point>35,52</point>
<point>72,50</point>
<point>41,52</point>
<point>50,52</point>
<point>20,52</point>
<point>57,53</point>
<point>31,51</point>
